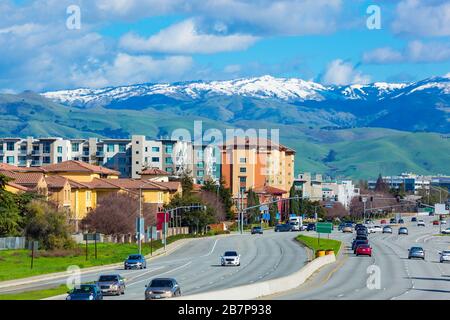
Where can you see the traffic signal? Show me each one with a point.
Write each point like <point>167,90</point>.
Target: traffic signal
<point>360,199</point>
<point>371,199</point>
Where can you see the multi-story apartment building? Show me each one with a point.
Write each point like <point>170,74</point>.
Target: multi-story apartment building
<point>257,164</point>
<point>412,182</point>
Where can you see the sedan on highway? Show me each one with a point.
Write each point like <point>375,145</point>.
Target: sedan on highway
<point>311,227</point>
<point>362,231</point>
<point>383,221</point>
<point>446,231</point>
<point>443,222</point>
<point>257,230</point>
<point>445,256</point>
<point>401,221</point>
<point>283,227</point>
<point>357,243</point>
<point>435,223</point>
<point>387,229</point>
<point>403,230</point>
<point>161,288</point>
<point>135,261</point>
<point>363,250</point>
<point>111,284</point>
<point>230,258</point>
<point>85,292</point>
<point>393,220</point>
<point>374,229</point>
<point>347,228</point>
<point>421,223</point>
<point>413,219</point>
<point>416,252</point>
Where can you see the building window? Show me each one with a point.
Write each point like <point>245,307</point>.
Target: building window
<point>1,159</point>
<point>169,169</point>
<point>243,170</point>
<point>10,160</point>
<point>137,162</point>
<point>46,160</point>
<point>243,179</point>
<point>169,160</point>
<point>75,147</point>
<point>243,160</point>
<point>76,158</point>
<point>155,159</point>
<point>242,189</point>
<point>110,147</point>
<point>200,154</point>
<point>88,196</point>
<point>10,146</point>
<point>59,149</point>
<point>200,173</point>
<point>59,159</point>
<point>122,147</point>
<point>169,148</point>
<point>201,164</point>
<point>155,149</point>
<point>137,151</point>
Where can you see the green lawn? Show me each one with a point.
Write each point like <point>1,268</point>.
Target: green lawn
<point>15,264</point>
<point>325,244</point>
<point>35,295</point>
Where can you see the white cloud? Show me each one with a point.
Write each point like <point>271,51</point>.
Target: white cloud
<point>426,18</point>
<point>415,52</point>
<point>183,38</point>
<point>340,72</point>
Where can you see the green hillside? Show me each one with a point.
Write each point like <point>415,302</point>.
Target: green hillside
<point>359,152</point>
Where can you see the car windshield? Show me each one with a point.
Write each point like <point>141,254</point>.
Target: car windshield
<point>446,253</point>
<point>364,246</point>
<point>108,278</point>
<point>348,224</point>
<point>416,249</point>
<point>134,257</point>
<point>230,254</point>
<point>83,289</point>
<point>161,283</point>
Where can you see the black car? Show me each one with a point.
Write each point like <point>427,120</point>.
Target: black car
<point>413,219</point>
<point>401,221</point>
<point>283,227</point>
<point>393,220</point>
<point>362,231</point>
<point>360,226</point>
<point>311,227</point>
<point>361,237</point>
<point>257,230</point>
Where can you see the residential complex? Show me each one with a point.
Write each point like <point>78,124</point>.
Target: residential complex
<point>258,164</point>
<point>127,156</point>
<point>315,188</point>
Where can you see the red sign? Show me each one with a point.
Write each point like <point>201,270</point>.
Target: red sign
<point>160,220</point>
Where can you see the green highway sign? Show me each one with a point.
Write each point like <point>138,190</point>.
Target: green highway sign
<point>324,227</point>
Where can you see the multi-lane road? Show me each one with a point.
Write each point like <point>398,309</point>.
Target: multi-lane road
<point>196,265</point>
<point>400,278</point>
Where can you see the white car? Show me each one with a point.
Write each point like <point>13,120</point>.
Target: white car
<point>446,231</point>
<point>230,258</point>
<point>420,223</point>
<point>374,229</point>
<point>443,222</point>
<point>445,256</point>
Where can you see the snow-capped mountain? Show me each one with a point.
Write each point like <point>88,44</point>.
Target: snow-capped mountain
<point>265,87</point>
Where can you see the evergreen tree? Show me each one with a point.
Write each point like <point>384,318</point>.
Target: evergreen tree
<point>294,204</point>
<point>273,210</point>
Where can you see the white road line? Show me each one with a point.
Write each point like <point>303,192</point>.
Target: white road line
<point>142,274</point>
<point>169,271</point>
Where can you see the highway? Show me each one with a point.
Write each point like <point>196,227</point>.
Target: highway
<point>401,278</point>
<point>196,265</point>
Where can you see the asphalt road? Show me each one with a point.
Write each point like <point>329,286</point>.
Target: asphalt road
<point>400,277</point>
<point>196,265</point>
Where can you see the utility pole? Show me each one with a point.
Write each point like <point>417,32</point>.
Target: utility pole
<point>140,220</point>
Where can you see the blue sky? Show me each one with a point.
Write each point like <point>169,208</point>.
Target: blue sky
<point>122,42</point>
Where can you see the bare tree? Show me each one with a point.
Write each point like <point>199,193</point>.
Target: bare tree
<point>213,201</point>
<point>336,211</point>
<point>116,214</point>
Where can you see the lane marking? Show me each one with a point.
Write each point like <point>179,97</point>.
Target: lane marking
<point>169,271</point>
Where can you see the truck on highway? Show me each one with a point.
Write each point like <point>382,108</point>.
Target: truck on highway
<point>296,223</point>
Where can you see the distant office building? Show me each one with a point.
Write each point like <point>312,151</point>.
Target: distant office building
<point>413,183</point>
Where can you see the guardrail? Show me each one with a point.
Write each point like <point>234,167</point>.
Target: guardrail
<point>265,288</point>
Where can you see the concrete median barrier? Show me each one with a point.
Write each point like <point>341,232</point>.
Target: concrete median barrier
<point>264,288</point>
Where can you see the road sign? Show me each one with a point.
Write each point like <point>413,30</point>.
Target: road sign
<point>324,227</point>
<point>277,216</point>
<point>439,208</point>
<point>91,236</point>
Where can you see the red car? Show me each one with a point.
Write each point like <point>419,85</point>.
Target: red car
<point>435,223</point>
<point>383,222</point>
<point>364,250</point>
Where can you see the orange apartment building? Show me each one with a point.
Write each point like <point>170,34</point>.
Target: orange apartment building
<point>259,164</point>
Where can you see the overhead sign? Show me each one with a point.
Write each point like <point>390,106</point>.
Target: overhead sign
<point>324,227</point>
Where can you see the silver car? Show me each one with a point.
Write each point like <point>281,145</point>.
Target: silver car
<point>111,284</point>
<point>387,229</point>
<point>445,256</point>
<point>230,258</point>
<point>160,288</point>
<point>416,252</point>
<point>403,230</point>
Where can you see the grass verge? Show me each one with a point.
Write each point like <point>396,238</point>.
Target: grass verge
<point>35,295</point>
<point>325,244</point>
<point>16,264</point>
